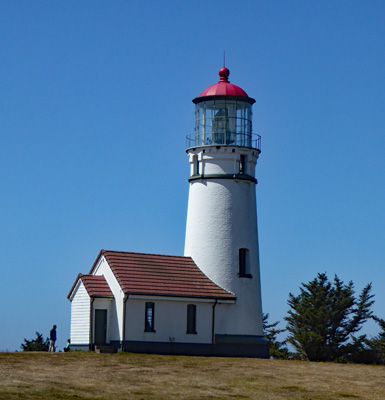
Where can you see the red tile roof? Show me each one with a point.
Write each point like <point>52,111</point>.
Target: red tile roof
<point>161,275</point>
<point>96,286</point>
<point>224,88</point>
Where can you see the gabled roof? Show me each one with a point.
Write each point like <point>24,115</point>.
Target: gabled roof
<point>96,286</point>
<point>161,275</point>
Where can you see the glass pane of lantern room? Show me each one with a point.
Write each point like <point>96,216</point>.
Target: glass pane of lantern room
<point>240,109</point>
<point>248,113</point>
<point>219,122</point>
<point>201,124</point>
<point>209,112</point>
<point>240,115</point>
<point>248,129</point>
<point>231,107</point>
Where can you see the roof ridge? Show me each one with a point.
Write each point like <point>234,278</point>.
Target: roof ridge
<point>145,254</point>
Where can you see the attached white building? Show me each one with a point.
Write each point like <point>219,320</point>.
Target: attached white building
<point>147,303</point>
<point>209,301</point>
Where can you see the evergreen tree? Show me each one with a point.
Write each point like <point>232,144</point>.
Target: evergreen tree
<point>324,316</point>
<point>277,349</point>
<point>37,344</point>
<point>376,345</point>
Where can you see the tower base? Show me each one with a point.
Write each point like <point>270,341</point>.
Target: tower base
<point>225,346</point>
<point>242,346</point>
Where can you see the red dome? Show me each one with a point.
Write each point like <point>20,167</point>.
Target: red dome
<point>223,87</point>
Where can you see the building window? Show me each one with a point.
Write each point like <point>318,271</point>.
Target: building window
<point>191,318</point>
<point>242,164</point>
<point>149,317</point>
<point>244,264</point>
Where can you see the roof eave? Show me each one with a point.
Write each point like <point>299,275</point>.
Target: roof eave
<point>74,286</point>
<point>221,297</point>
<point>199,99</point>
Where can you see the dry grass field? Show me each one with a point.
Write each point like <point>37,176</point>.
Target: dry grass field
<point>85,375</point>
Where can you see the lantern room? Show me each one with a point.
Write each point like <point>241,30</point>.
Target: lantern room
<point>223,116</point>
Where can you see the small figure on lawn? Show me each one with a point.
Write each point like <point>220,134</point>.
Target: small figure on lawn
<point>68,346</point>
<point>52,339</point>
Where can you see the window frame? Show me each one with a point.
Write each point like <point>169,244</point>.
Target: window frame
<point>195,165</point>
<point>191,319</point>
<point>244,263</point>
<point>243,164</point>
<point>149,325</point>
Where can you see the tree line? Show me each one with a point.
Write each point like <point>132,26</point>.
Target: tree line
<point>323,323</point>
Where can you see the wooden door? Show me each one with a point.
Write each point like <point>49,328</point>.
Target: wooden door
<point>100,326</point>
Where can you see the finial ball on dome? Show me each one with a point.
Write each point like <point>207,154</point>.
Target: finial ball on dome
<point>224,74</point>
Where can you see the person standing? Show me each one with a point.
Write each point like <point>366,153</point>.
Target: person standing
<point>52,339</point>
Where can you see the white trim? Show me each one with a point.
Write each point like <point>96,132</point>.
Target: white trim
<point>95,269</point>
<point>75,289</point>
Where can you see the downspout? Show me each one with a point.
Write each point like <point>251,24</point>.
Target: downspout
<point>124,320</point>
<point>213,324</point>
<point>91,322</point>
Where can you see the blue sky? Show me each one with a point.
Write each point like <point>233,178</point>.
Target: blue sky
<point>95,105</point>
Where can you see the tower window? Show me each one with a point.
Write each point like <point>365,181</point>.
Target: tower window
<point>149,317</point>
<point>244,264</point>
<point>191,318</point>
<point>242,164</point>
<point>195,165</point>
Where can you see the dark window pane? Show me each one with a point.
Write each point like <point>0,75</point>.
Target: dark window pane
<point>242,165</point>
<point>191,318</point>
<point>242,262</point>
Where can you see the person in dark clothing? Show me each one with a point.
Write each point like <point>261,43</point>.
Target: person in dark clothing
<point>68,347</point>
<point>52,339</point>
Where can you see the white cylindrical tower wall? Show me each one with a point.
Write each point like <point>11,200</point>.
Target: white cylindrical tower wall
<point>222,220</point>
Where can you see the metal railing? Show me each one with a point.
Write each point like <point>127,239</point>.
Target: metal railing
<point>220,138</point>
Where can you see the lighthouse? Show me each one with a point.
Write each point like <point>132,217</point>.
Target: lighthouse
<point>207,302</point>
<point>221,228</point>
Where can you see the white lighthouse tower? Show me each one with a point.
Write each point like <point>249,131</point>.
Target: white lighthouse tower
<point>221,229</point>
